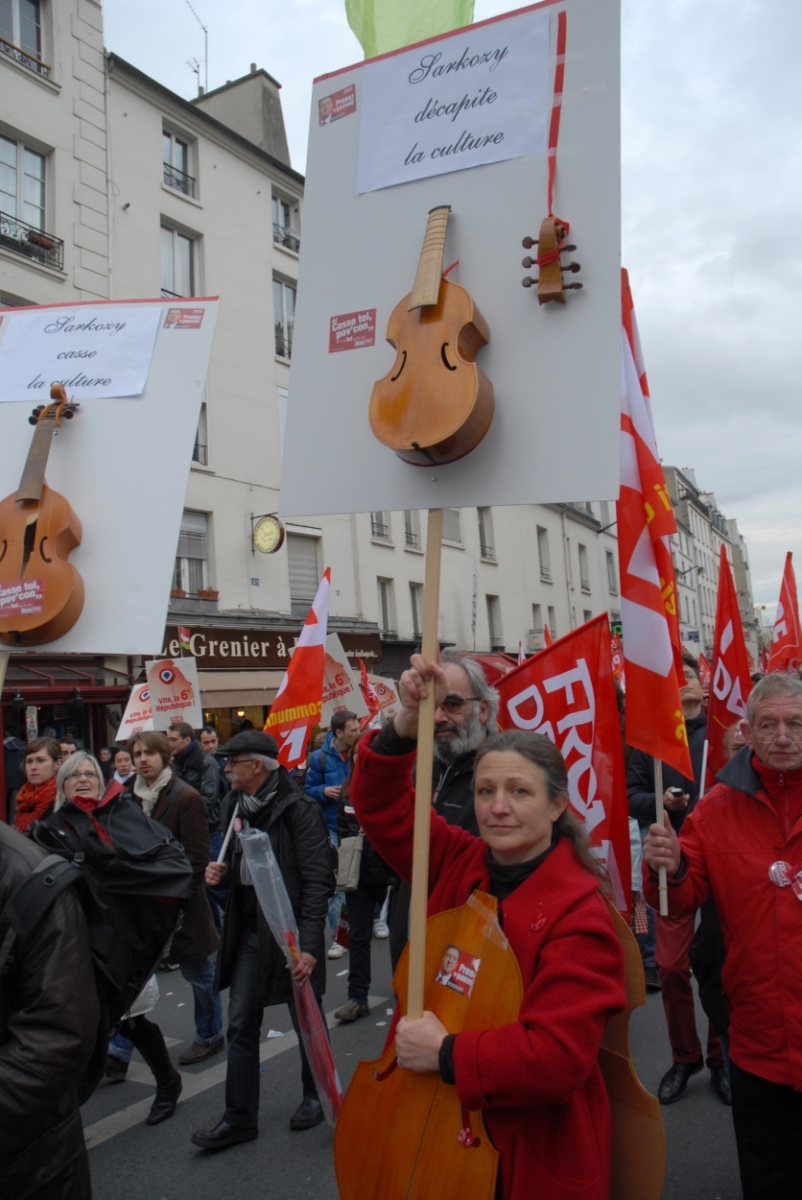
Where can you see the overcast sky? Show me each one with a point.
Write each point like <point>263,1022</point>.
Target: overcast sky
<point>712,180</point>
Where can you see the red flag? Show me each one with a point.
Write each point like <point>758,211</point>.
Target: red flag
<point>184,637</point>
<point>567,693</point>
<point>731,682</point>
<point>764,661</point>
<point>705,670</point>
<point>786,645</point>
<point>299,702</point>
<point>369,696</point>
<point>619,674</point>
<point>654,720</point>
<point>546,637</point>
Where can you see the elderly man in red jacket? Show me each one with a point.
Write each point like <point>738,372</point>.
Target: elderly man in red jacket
<point>743,845</point>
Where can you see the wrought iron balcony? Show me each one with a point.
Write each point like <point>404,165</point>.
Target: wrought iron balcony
<point>179,180</point>
<point>378,529</point>
<point>283,345</point>
<point>31,242</point>
<point>486,551</point>
<point>24,58</point>
<point>412,539</point>
<point>285,236</point>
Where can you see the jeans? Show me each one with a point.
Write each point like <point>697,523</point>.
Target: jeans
<point>244,1027</point>
<point>208,1008</point>
<point>767,1118</point>
<point>338,899</point>
<point>361,904</point>
<point>120,1047</point>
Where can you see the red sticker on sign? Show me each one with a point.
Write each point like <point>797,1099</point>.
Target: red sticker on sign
<point>183,318</point>
<point>22,599</point>
<point>352,331</point>
<point>338,104</point>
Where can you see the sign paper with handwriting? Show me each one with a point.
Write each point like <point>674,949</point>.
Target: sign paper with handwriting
<point>100,352</point>
<point>480,96</point>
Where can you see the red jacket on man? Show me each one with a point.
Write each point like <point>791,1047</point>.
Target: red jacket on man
<point>537,1081</point>
<point>748,821</point>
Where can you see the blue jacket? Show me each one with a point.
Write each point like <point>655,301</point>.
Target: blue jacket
<point>327,768</point>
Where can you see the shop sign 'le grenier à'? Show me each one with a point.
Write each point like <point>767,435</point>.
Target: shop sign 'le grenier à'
<point>266,648</point>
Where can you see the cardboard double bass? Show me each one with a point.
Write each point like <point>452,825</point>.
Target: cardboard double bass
<point>403,1135</point>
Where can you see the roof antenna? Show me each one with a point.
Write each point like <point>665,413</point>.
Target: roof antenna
<point>193,62</point>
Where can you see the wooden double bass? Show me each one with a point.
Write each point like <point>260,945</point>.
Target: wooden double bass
<point>435,404</point>
<point>41,592</point>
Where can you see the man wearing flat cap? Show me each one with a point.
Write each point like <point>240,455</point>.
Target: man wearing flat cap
<point>250,962</point>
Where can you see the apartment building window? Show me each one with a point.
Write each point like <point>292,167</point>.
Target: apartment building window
<point>452,528</point>
<point>605,512</point>
<point>494,622</point>
<point>584,572</point>
<point>200,451</point>
<point>380,526</point>
<point>178,263</point>
<point>612,574</point>
<point>386,607</point>
<point>175,162</point>
<point>487,547</point>
<point>285,219</point>
<point>23,174</point>
<point>412,529</point>
<point>303,568</point>
<point>191,566</point>
<point>21,31</point>
<point>587,615</point>
<point>416,601</point>
<point>283,316</point>
<point>543,553</point>
<point>552,622</point>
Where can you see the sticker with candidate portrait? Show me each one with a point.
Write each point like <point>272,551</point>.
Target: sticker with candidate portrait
<point>458,970</point>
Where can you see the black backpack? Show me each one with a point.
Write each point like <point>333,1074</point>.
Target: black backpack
<point>131,877</point>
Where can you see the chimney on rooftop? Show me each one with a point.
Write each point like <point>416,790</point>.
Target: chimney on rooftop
<point>253,68</point>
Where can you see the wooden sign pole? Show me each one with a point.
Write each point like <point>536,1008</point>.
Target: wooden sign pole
<point>662,879</point>
<point>424,768</point>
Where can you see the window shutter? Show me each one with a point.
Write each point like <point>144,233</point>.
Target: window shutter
<point>192,539</point>
<point>302,556</point>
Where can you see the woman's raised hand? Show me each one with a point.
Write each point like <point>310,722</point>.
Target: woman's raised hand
<point>412,689</point>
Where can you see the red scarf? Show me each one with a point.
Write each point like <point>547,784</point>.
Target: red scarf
<point>33,802</point>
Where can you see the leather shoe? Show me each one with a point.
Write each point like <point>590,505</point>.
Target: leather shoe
<point>675,1080</point>
<point>652,980</point>
<point>223,1135</point>
<point>167,1093</point>
<point>197,1052</point>
<point>308,1114</point>
<point>721,1085</point>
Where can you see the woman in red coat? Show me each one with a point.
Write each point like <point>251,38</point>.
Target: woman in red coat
<point>537,1080</point>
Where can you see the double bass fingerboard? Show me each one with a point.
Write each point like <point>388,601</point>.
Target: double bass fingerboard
<point>426,288</point>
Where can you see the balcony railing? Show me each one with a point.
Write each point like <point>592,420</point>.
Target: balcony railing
<point>179,180</point>
<point>412,539</point>
<point>283,345</point>
<point>285,236</point>
<point>31,242</point>
<point>545,573</point>
<point>200,454</point>
<point>486,551</point>
<point>378,529</point>
<point>24,59</point>
<point>168,295</point>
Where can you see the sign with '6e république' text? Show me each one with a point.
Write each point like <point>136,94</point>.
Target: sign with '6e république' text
<point>474,97</point>
<point>101,352</point>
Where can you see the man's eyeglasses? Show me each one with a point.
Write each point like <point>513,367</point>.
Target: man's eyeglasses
<point>767,734</point>
<point>453,703</point>
<point>233,761</point>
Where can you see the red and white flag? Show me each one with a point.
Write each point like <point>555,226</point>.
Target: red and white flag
<point>567,693</point>
<point>546,636</point>
<point>652,653</point>
<point>369,696</point>
<point>705,673</point>
<point>617,654</point>
<point>731,681</point>
<point>786,645</point>
<point>299,702</point>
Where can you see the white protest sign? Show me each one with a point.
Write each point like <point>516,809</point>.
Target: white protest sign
<point>478,97</point>
<point>101,351</point>
<point>387,695</point>
<point>340,687</point>
<point>138,715</point>
<point>174,692</point>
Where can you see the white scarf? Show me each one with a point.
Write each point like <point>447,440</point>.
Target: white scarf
<point>149,795</point>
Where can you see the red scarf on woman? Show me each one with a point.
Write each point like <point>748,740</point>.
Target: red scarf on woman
<point>33,802</point>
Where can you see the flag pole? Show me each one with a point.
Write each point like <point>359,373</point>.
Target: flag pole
<point>423,772</point>
<point>703,776</point>
<point>662,879</point>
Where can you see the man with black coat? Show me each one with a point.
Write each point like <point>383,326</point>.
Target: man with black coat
<point>49,1016</point>
<point>465,718</point>
<point>675,934</point>
<point>200,770</point>
<point>250,962</point>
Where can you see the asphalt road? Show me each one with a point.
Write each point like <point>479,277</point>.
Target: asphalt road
<point>130,1161</point>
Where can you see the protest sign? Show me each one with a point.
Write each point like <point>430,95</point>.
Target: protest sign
<point>174,692</point>
<point>566,692</point>
<point>138,715</point>
<point>340,687</point>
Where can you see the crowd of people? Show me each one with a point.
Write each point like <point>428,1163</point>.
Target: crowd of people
<point>500,823</point>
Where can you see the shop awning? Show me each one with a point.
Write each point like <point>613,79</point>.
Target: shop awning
<point>234,689</point>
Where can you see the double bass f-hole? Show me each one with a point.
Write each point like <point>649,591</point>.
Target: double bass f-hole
<point>400,369</point>
<point>446,363</point>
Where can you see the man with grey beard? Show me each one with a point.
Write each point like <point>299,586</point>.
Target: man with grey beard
<point>465,718</point>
